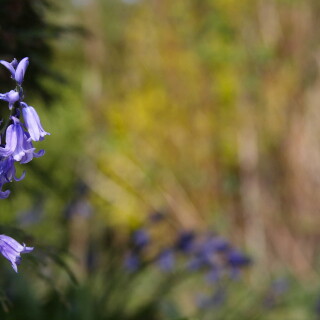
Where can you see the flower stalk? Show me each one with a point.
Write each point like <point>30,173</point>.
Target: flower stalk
<point>19,129</point>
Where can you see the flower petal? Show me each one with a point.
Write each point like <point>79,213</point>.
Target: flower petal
<point>21,69</point>
<point>33,123</point>
<point>9,67</point>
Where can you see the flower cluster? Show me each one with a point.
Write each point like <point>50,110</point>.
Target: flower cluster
<point>188,252</point>
<point>207,252</point>
<point>18,131</point>
<point>16,135</point>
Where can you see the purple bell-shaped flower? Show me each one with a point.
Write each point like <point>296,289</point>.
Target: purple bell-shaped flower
<point>12,97</point>
<point>15,142</point>
<point>32,122</point>
<point>11,250</point>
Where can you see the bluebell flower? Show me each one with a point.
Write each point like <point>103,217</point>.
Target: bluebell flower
<point>202,255</point>
<point>16,69</point>
<point>32,122</point>
<point>8,171</point>
<point>27,145</point>
<point>16,142</point>
<point>206,252</point>
<point>166,260</point>
<point>185,241</point>
<point>141,238</point>
<point>11,250</point>
<point>131,262</point>
<point>211,249</point>
<point>12,97</point>
<point>236,259</point>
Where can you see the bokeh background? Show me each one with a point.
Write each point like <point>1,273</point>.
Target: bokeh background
<point>206,111</point>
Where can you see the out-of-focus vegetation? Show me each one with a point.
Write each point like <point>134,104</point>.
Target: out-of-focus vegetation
<point>206,110</point>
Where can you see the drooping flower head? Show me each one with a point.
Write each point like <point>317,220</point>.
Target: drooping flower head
<point>15,142</point>
<point>32,122</point>
<point>11,250</point>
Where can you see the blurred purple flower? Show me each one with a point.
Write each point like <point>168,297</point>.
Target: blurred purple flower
<point>215,244</point>
<point>140,238</point>
<point>12,97</point>
<point>131,262</point>
<point>237,259</point>
<point>11,250</point>
<point>205,251</point>
<point>32,122</point>
<point>221,245</point>
<point>166,260</point>
<point>185,241</point>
